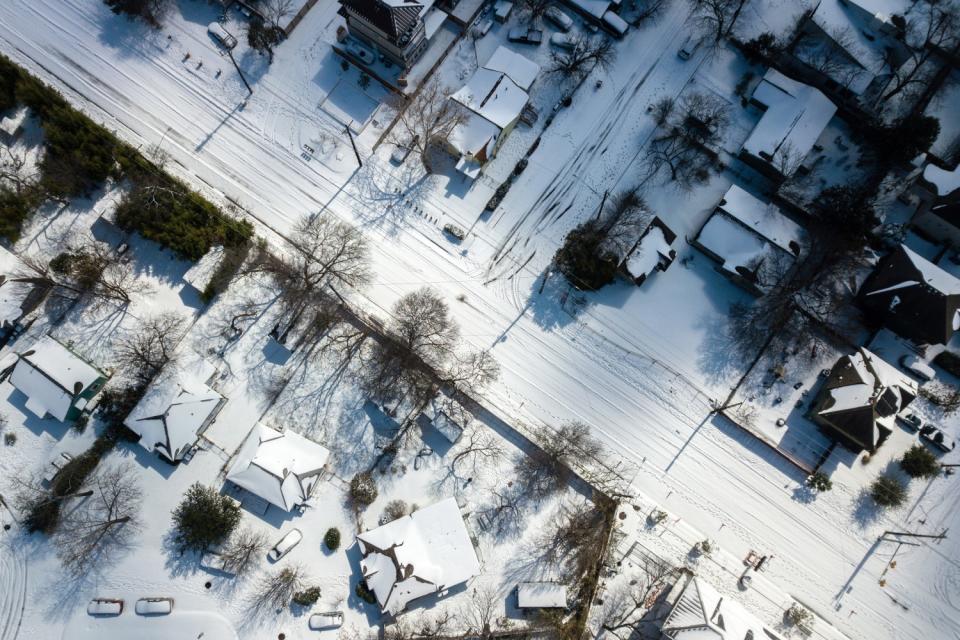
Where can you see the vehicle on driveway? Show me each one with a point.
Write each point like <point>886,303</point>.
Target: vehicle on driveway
<point>559,18</point>
<point>563,41</point>
<point>154,606</point>
<point>688,48</point>
<point>105,607</point>
<point>937,438</point>
<point>914,365</point>
<point>221,35</point>
<point>910,420</point>
<point>525,36</point>
<point>285,545</point>
<point>328,620</point>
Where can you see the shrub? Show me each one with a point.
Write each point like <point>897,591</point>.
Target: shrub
<point>10,438</point>
<point>14,210</point>
<point>307,597</point>
<point>332,538</point>
<point>115,405</point>
<point>9,75</point>
<point>364,593</point>
<point>80,425</point>
<point>579,258</point>
<point>904,140</point>
<point>799,616</point>
<point>887,491</point>
<point>949,362</point>
<point>363,489</point>
<point>918,462</point>
<point>394,510</point>
<point>819,482</point>
<point>204,517</point>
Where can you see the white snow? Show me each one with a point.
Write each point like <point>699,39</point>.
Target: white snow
<point>702,613</point>
<point>541,595</point>
<point>51,376</point>
<point>520,69</point>
<point>199,275</point>
<point>764,218</point>
<point>653,247</point>
<point>945,181</point>
<point>736,245</point>
<point>494,96</point>
<point>937,278</point>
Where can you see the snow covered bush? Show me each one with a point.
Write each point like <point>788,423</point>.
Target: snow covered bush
<point>919,462</point>
<point>307,597</point>
<point>332,538</point>
<point>656,517</point>
<point>394,510</point>
<point>799,616</point>
<point>819,482</point>
<point>204,517</point>
<point>363,489</point>
<point>887,491</point>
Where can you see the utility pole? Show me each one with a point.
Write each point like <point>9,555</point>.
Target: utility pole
<point>354,145</point>
<point>602,202</point>
<point>939,536</point>
<point>242,77</point>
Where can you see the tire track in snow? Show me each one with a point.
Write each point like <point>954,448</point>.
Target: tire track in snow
<point>13,590</point>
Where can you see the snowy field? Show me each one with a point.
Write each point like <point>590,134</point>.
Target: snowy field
<point>640,365</point>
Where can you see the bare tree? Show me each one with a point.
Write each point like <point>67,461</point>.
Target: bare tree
<point>90,268</point>
<point>276,589</point>
<point>829,57</point>
<point>930,31</point>
<point>244,550</point>
<point>471,372</point>
<point>151,346</point>
<point>15,171</point>
<point>546,468</point>
<point>534,9</point>
<point>106,520</point>
<point>420,625</point>
<point>263,34</point>
<point>624,612</point>
<point>717,17</point>
<point>577,539</point>
<point>683,144</point>
<point>480,613</point>
<point>584,56</point>
<point>481,446</point>
<point>426,119</point>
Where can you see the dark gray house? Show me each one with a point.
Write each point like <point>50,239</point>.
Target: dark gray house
<point>393,28</point>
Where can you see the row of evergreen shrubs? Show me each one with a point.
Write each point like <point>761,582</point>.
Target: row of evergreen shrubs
<point>80,155</point>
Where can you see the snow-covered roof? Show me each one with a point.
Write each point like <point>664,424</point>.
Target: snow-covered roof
<point>943,281</point>
<point>763,218</point>
<point>279,467</point>
<point>474,137</point>
<point>425,552</point>
<point>946,182</point>
<point>52,376</point>
<point>432,21</point>
<point>643,260</point>
<point>522,70</point>
<point>595,8</point>
<point>701,613</point>
<point>493,95</point>
<point>796,114</point>
<point>541,595</point>
<point>200,274</point>
<point>11,125</point>
<point>177,406</point>
<point>733,243</point>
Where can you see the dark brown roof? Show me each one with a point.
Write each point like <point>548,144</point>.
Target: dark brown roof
<point>394,19</point>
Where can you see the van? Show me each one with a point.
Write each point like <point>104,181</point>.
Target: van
<point>559,18</point>
<point>688,48</point>
<point>221,35</point>
<point>615,24</point>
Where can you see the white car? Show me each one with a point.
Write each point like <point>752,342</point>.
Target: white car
<point>221,35</point>
<point>284,546</point>
<point>329,620</point>
<point>105,607</point>
<point>154,606</point>
<point>559,18</point>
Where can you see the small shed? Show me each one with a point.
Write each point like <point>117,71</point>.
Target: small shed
<point>541,595</point>
<point>200,274</point>
<point>12,126</point>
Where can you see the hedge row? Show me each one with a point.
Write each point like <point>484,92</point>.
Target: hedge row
<point>81,155</point>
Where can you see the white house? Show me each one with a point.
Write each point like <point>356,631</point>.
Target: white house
<point>701,613</point>
<point>420,554</point>
<point>755,244</point>
<point>177,408</point>
<point>492,100</point>
<point>55,380</point>
<point>794,116</point>
<point>282,468</point>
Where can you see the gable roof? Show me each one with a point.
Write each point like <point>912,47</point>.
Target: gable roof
<point>701,613</point>
<point>522,70</point>
<point>392,17</point>
<point>419,554</point>
<point>763,218</point>
<point>52,377</point>
<point>795,115</point>
<point>279,467</point>
<point>493,95</point>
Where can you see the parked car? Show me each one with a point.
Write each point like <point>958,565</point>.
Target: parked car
<point>918,367</point>
<point>937,438</point>
<point>285,545</point>
<point>910,420</point>
<point>329,620</point>
<point>221,35</point>
<point>559,18</point>
<point>525,36</point>
<point>105,607</point>
<point>154,606</point>
<point>615,24</point>
<point>213,560</point>
<point>688,48</point>
<point>563,40</point>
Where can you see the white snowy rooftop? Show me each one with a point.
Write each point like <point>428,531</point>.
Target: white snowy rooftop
<point>475,136</point>
<point>281,468</point>
<point>493,95</point>
<point>796,114</point>
<point>701,613</point>
<point>520,69</point>
<point>764,218</point>
<point>643,260</point>
<point>177,406</point>
<point>943,281</point>
<point>51,376</point>
<point>200,274</point>
<point>946,182</point>
<point>416,555</point>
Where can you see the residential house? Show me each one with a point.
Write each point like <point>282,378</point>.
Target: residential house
<point>938,216</point>
<point>426,552</point>
<point>56,381</point>
<point>854,45</point>
<point>913,297</point>
<point>794,117</point>
<point>860,400</point>
<point>280,467</point>
<point>18,299</point>
<point>492,102</point>
<point>447,416</point>
<point>396,30</point>
<point>699,612</point>
<point>639,257</point>
<point>177,408</point>
<point>755,245</point>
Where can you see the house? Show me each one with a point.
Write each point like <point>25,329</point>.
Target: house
<point>860,400</point>
<point>280,467</point>
<point>754,243</point>
<point>17,299</point>
<point>854,45</point>
<point>426,552</point>
<point>938,215</point>
<point>700,612</point>
<point>541,595</point>
<point>177,408</point>
<point>652,252</point>
<point>396,30</point>
<point>55,380</point>
<point>492,102</point>
<point>447,416</point>
<point>794,116</point>
<point>913,297</point>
